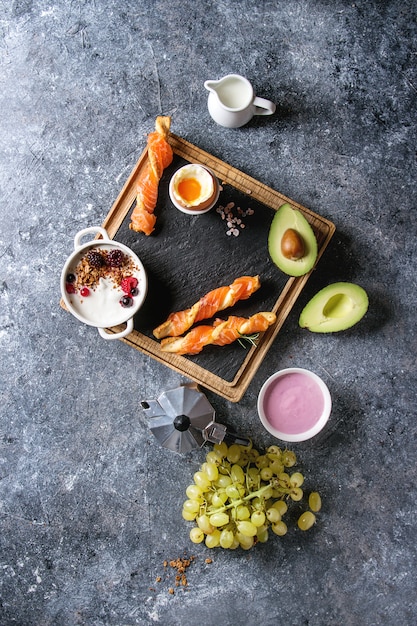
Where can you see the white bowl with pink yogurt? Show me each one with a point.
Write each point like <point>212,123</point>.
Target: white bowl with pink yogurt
<point>107,295</point>
<point>294,404</point>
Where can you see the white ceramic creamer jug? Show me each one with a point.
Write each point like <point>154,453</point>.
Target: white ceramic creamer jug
<point>232,102</point>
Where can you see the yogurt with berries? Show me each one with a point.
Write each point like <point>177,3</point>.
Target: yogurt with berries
<point>103,284</point>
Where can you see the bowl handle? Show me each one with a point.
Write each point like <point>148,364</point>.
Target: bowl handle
<point>92,229</point>
<point>122,333</point>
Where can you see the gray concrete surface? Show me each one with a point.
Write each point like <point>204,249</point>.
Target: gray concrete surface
<point>90,505</point>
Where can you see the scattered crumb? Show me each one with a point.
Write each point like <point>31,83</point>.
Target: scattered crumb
<point>180,565</point>
<point>208,561</point>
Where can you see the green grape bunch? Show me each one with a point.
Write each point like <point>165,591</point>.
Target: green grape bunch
<point>239,495</point>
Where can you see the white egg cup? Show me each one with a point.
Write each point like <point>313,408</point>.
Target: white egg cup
<point>195,210</point>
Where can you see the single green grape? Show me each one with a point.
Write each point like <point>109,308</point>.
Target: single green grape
<point>233,492</point>
<point>277,467</point>
<point>296,479</point>
<point>274,450</point>
<point>266,473</point>
<point>289,458</point>
<point>262,461</point>
<point>226,538</point>
<point>284,480</point>
<point>203,522</point>
<point>242,512</point>
<point>213,540</point>
<point>220,449</point>
<point>223,481</point>
<point>196,535</point>
<point>219,519</point>
<point>192,506</point>
<point>296,494</point>
<point>314,501</point>
<point>189,517</point>
<point>279,528</point>
<point>245,542</point>
<point>280,506</point>
<point>237,474</point>
<point>211,470</point>
<point>194,492</point>
<point>202,480</point>
<point>273,515</point>
<point>212,457</point>
<point>258,518</point>
<point>262,534</point>
<point>246,528</point>
<point>219,498</point>
<point>306,520</point>
<point>233,453</point>
<point>257,504</point>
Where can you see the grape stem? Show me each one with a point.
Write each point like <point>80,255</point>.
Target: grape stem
<point>235,503</point>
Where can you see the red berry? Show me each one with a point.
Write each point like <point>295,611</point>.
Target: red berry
<point>70,288</point>
<point>85,292</point>
<point>129,283</point>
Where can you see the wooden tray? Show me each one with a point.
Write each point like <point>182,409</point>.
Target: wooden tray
<point>187,256</point>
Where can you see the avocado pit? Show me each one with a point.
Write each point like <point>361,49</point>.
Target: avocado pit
<point>292,245</point>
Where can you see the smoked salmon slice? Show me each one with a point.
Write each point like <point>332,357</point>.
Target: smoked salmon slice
<point>220,333</point>
<point>160,155</point>
<point>217,300</point>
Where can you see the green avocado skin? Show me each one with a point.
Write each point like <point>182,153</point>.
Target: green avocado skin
<point>336,307</point>
<point>286,217</point>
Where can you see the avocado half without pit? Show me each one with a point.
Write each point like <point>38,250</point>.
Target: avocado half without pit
<point>336,307</point>
<point>292,243</point>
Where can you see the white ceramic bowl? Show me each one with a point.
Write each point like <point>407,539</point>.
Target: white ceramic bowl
<point>194,210</point>
<point>294,404</point>
<point>102,308</point>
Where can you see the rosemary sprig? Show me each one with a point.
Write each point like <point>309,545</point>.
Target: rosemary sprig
<point>250,339</point>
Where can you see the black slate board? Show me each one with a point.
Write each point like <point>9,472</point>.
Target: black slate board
<point>187,256</point>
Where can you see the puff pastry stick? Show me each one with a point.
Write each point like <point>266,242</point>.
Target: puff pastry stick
<point>220,334</point>
<point>217,300</point>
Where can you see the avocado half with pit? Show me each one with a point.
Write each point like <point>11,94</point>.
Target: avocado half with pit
<point>292,243</point>
<point>336,307</point>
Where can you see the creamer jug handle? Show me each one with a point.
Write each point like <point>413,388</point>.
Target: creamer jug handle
<point>263,106</point>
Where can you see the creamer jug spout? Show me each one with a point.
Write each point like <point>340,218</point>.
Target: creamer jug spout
<point>211,85</point>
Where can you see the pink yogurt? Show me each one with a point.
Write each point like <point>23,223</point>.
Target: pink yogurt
<point>294,404</point>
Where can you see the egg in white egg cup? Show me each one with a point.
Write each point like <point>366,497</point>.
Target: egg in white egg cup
<point>210,189</point>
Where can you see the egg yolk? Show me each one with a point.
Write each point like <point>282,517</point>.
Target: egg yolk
<point>189,189</point>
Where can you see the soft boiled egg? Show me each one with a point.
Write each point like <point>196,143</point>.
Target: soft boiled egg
<point>193,187</point>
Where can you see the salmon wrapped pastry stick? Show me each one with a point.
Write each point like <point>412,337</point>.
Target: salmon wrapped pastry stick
<point>160,155</point>
<point>220,334</point>
<point>217,300</point>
